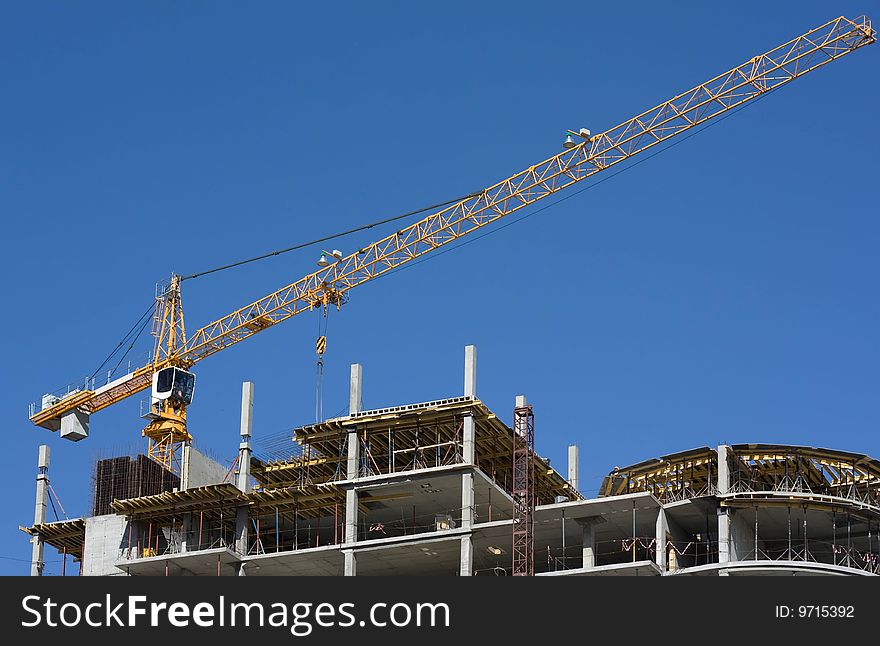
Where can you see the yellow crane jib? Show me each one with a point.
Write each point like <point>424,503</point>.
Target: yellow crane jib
<point>584,154</point>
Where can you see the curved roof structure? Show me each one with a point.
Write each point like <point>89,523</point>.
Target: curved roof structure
<point>752,467</point>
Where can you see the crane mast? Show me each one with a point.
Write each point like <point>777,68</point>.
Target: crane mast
<point>329,285</point>
<point>166,430</point>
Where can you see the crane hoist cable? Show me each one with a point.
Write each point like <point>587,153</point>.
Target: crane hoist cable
<point>332,236</point>
<point>130,346</point>
<point>320,349</point>
<point>143,316</point>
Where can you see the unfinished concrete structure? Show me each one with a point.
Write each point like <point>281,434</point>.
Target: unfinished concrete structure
<point>426,489</point>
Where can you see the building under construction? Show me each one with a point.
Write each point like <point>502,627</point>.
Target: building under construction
<point>445,487</point>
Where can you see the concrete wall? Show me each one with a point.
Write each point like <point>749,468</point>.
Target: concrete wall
<point>104,539</point>
<point>198,470</point>
<point>742,535</point>
<point>680,538</point>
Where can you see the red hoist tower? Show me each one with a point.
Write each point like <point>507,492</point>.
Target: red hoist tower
<point>523,550</point>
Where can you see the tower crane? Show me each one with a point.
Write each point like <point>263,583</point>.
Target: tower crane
<point>584,154</point>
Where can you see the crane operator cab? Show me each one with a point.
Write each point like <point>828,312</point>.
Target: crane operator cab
<point>174,384</point>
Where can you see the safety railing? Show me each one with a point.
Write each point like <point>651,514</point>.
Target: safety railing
<point>682,554</point>
<point>815,551</point>
<point>608,552</point>
<point>855,490</point>
<point>149,540</point>
<point>269,537</point>
<point>410,523</point>
<point>279,531</point>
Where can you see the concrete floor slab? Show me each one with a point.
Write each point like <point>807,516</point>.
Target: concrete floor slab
<point>201,563</point>
<point>637,568</point>
<point>319,561</point>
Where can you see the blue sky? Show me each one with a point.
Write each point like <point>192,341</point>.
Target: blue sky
<point>723,291</point>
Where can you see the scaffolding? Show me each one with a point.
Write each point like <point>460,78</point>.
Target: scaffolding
<point>120,478</point>
<point>820,472</point>
<point>793,503</point>
<point>406,438</point>
<point>681,476</point>
<point>176,521</point>
<point>67,536</point>
<point>299,501</point>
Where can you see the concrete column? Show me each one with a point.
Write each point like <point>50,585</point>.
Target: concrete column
<point>350,537</point>
<point>242,519</point>
<point>470,390</point>
<point>573,466</point>
<point>470,371</point>
<point>40,509</point>
<point>186,538</point>
<point>588,525</point>
<point>723,484</point>
<point>466,564</point>
<point>351,463</point>
<point>723,535</point>
<point>184,466</point>
<point>467,440</point>
<point>241,530</point>
<point>723,487</point>
<point>42,485</point>
<point>660,539</point>
<point>467,500</point>
<point>351,515</point>
<point>350,563</point>
<point>247,408</point>
<point>467,505</point>
<point>244,448</point>
<point>356,389</point>
<point>355,404</point>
